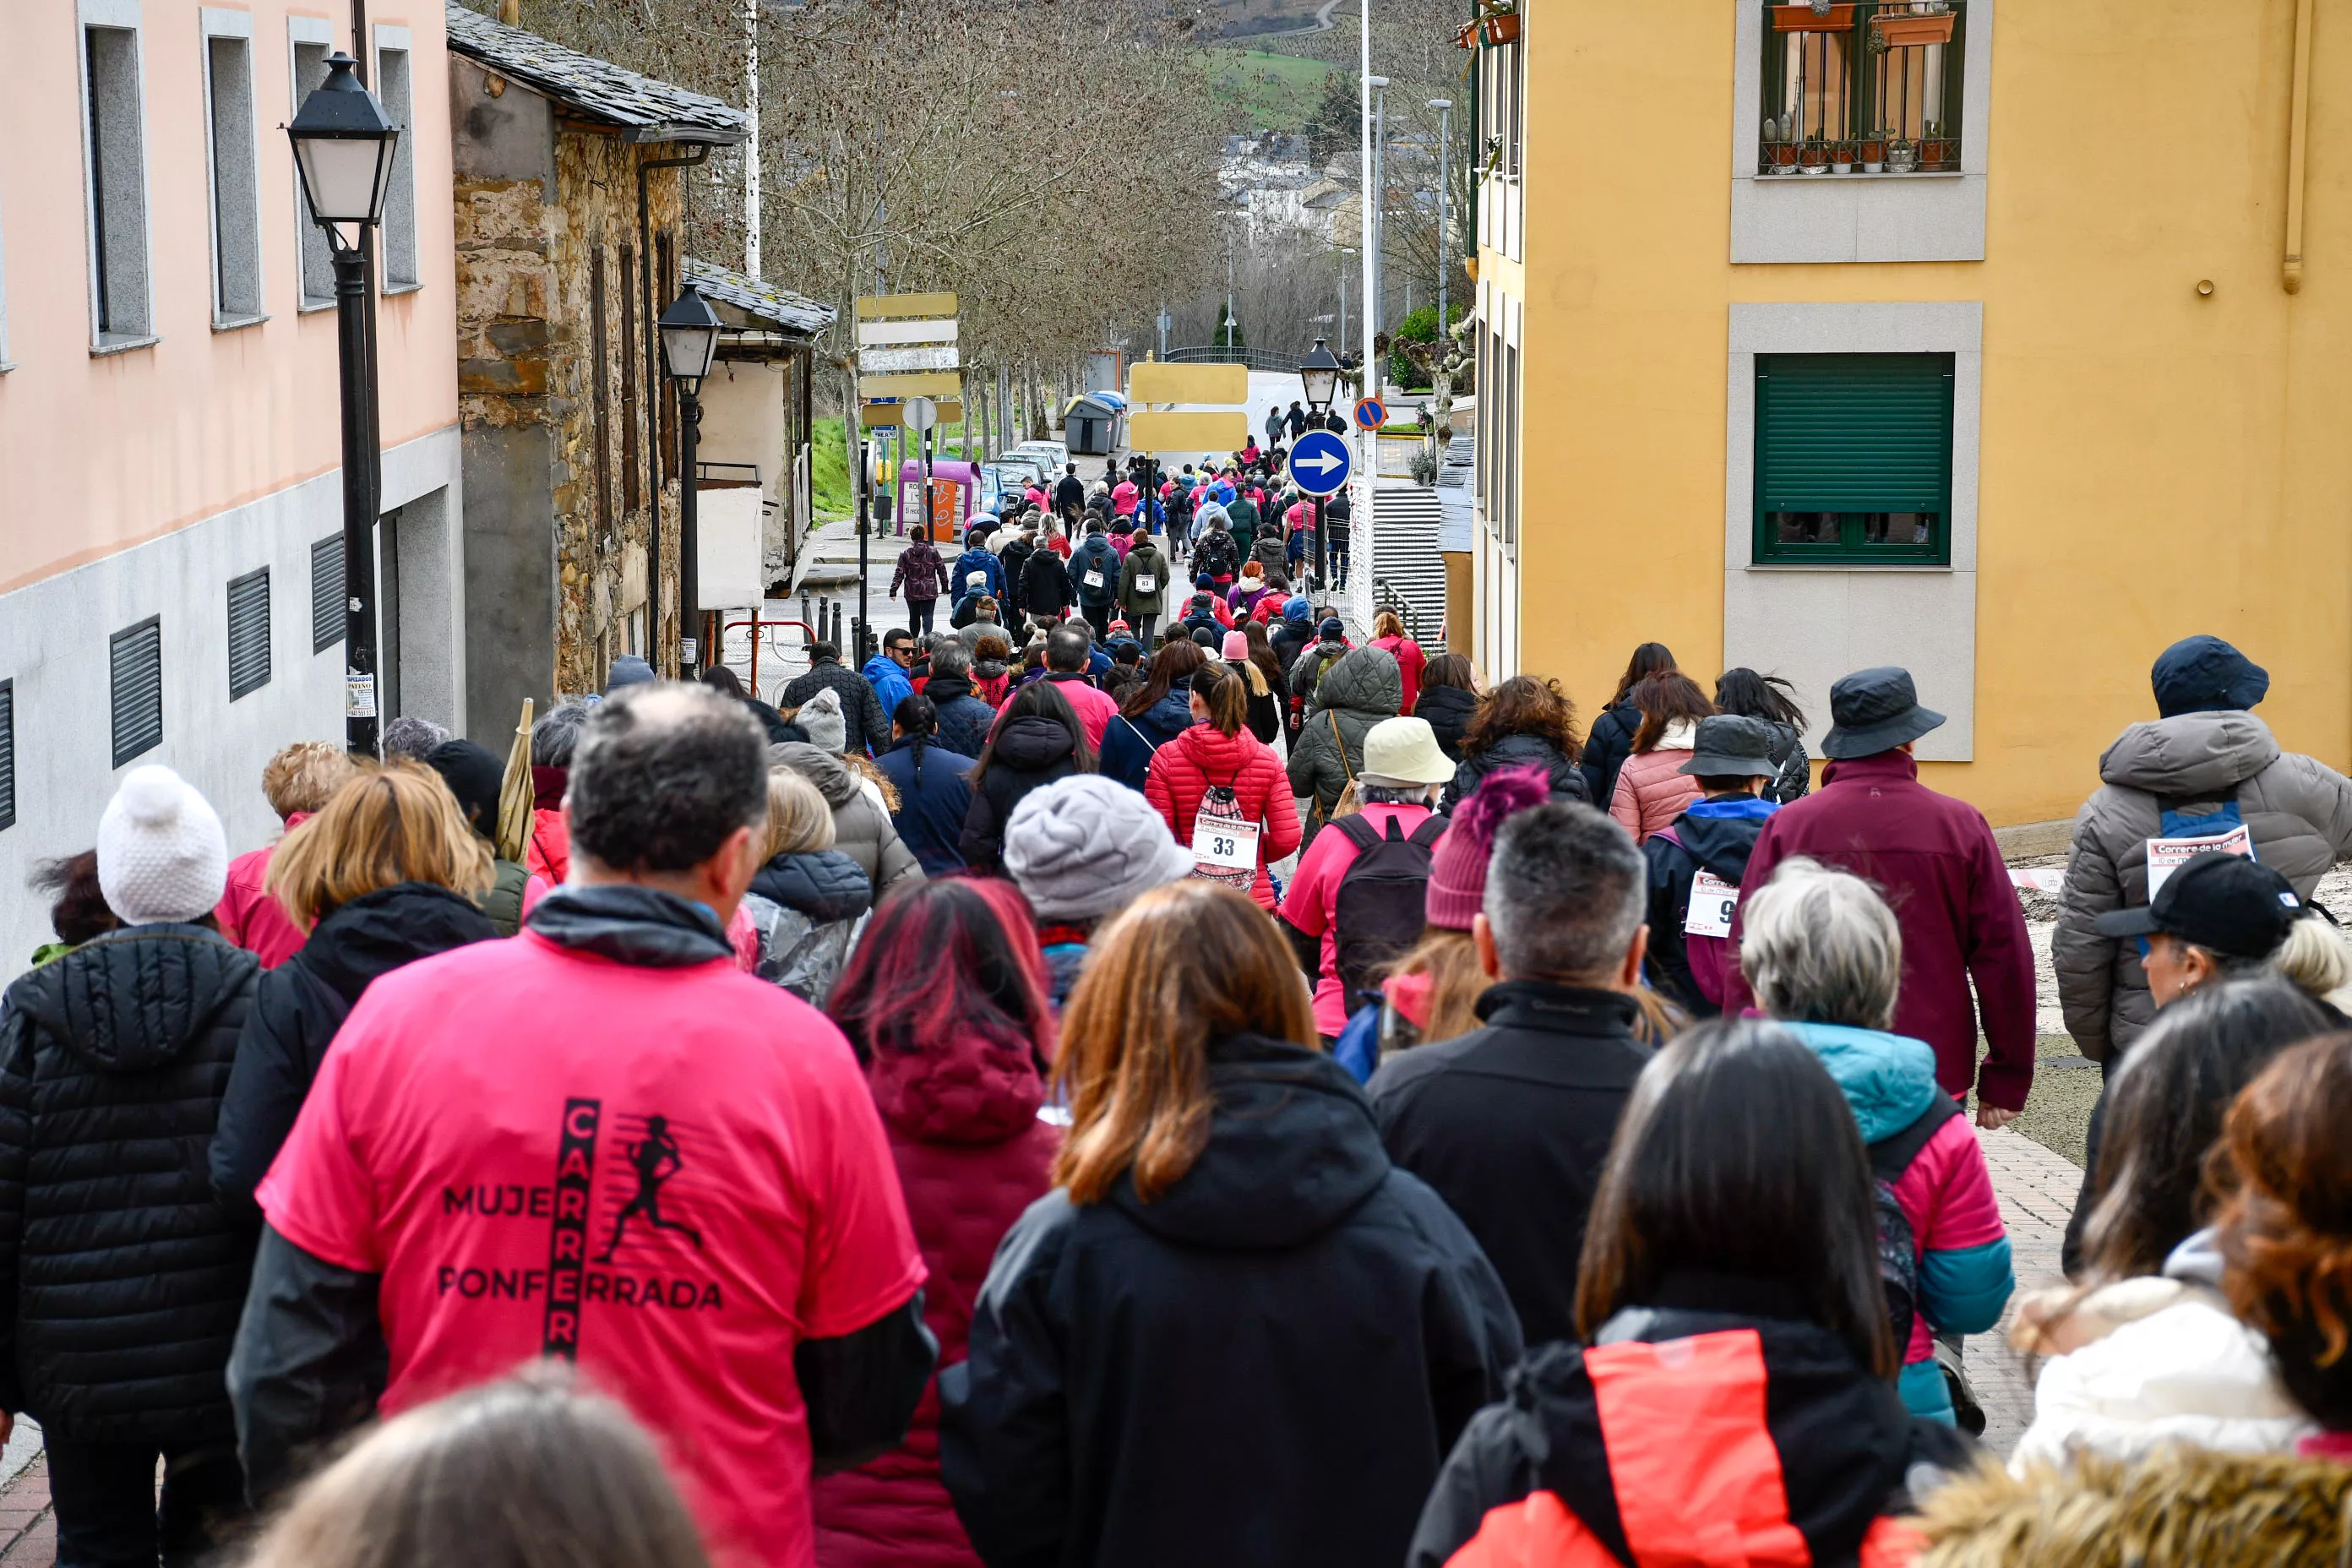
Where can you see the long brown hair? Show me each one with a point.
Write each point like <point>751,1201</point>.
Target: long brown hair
<point>1176,662</point>
<point>1184,965</point>
<point>2283,1170</point>
<point>1523,705</point>
<point>1651,659</point>
<point>1261,654</point>
<point>1450,959</point>
<point>1220,689</point>
<point>396,822</point>
<point>1663,698</point>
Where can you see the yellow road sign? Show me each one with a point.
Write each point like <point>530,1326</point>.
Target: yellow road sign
<point>1149,381</point>
<point>886,416</point>
<point>920,383</point>
<point>876,307</point>
<point>1219,431</point>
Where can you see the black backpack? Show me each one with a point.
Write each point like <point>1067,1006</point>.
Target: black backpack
<point>1898,1246</point>
<point>1378,911</point>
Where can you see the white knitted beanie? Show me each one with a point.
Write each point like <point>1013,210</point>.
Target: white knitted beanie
<point>1086,846</point>
<point>161,852</point>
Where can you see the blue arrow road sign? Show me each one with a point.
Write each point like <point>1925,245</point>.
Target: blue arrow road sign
<point>1320,463</point>
<point>1370,414</point>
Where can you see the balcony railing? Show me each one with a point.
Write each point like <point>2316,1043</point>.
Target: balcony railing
<point>1862,87</point>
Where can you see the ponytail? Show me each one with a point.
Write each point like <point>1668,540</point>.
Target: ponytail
<point>2314,958</point>
<point>917,717</point>
<point>1224,695</point>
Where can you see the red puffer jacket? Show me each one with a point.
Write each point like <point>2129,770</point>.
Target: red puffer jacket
<point>1183,770</point>
<point>971,1155</point>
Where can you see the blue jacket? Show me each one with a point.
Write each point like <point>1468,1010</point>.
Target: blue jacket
<point>934,797</point>
<point>1888,1082</point>
<point>891,685</point>
<point>983,561</point>
<point>1129,744</point>
<point>1097,555</point>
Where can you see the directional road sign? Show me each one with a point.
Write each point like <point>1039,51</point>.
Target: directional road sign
<point>1320,463</point>
<point>1370,414</point>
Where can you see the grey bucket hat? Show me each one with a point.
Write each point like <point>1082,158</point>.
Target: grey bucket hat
<point>1874,711</point>
<point>1731,745</point>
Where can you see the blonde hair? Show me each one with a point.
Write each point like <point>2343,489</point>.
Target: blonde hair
<point>394,823</point>
<point>799,821</point>
<point>304,776</point>
<point>1183,965</point>
<point>2314,958</point>
<point>527,1470</point>
<point>1388,623</point>
<point>1450,959</point>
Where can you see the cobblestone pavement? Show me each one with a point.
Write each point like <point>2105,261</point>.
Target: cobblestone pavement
<point>28,1526</point>
<point>2036,1189</point>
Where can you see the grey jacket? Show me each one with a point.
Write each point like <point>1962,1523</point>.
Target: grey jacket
<point>2300,812</point>
<point>1357,692</point>
<point>861,829</point>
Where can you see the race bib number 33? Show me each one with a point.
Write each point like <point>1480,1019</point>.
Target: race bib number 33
<point>1225,843</point>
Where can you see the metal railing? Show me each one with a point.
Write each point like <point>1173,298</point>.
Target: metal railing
<point>1862,87</point>
<point>1255,359</point>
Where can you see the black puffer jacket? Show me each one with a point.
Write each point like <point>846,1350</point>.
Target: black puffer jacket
<point>301,1003</point>
<point>1448,710</point>
<point>1031,751</point>
<point>1568,780</point>
<point>964,719</point>
<point>1606,749</point>
<point>122,1273</point>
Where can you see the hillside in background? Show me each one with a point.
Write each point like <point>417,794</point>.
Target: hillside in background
<point>1259,90</point>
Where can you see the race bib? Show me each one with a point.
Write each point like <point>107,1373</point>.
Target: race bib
<point>1094,579</point>
<point>1145,582</point>
<point>2166,856</point>
<point>1711,903</point>
<point>1221,843</point>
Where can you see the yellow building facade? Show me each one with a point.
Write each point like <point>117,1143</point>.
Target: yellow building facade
<point>2068,379</point>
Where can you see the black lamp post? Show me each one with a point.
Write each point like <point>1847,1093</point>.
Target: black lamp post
<point>1319,373</point>
<point>689,339</point>
<point>343,143</point>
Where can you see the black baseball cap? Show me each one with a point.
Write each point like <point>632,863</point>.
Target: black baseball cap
<point>2226,903</point>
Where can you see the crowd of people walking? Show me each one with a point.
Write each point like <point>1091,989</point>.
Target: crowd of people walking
<point>1073,1096</point>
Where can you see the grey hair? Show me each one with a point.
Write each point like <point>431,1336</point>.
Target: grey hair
<point>952,658</point>
<point>1566,890</point>
<point>409,736</point>
<point>1819,946</point>
<point>557,735</point>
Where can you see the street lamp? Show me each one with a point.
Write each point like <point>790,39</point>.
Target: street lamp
<point>343,146</point>
<point>1318,372</point>
<point>1444,107</point>
<point>690,339</point>
<point>1376,302</point>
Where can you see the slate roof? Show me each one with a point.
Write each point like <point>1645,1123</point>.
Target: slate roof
<point>591,89</point>
<point>796,313</point>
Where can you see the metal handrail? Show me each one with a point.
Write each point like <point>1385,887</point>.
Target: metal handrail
<point>755,623</point>
<point>1255,359</point>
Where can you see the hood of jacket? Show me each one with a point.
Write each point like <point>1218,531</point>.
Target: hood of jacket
<point>1168,717</point>
<point>1292,1150</point>
<point>377,933</point>
<point>2193,756</point>
<point>133,1000</point>
<point>973,1087</point>
<point>2181,1507</point>
<point>824,884</point>
<point>943,689</point>
<point>1889,1080</point>
<point>832,776</point>
<point>629,924</point>
<point>989,669</point>
<point>1033,742</point>
<point>1095,547</point>
<point>1722,834</point>
<point>1366,679</point>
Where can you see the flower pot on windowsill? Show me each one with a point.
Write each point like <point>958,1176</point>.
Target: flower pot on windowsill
<point>1898,30</point>
<point>1940,153</point>
<point>1870,154</point>
<point>1813,160</point>
<point>1902,156</point>
<point>1502,29</point>
<point>1780,157</point>
<point>1802,18</point>
<point>1466,37</point>
<point>1842,158</point>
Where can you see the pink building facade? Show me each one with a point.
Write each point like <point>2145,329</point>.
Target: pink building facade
<point>170,487</point>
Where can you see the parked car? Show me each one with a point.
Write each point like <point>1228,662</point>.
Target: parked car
<point>1055,454</point>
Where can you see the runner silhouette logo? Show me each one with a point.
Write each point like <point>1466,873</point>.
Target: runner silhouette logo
<point>654,1157</point>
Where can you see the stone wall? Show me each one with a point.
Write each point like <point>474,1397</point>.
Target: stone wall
<point>552,377</point>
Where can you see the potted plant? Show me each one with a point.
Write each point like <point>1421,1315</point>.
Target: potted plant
<point>1803,17</point>
<point>1870,154</point>
<point>1912,29</point>
<point>1938,148</point>
<point>1813,158</point>
<point>1466,37</point>
<point>1498,21</point>
<point>1842,158</point>
<point>1902,155</point>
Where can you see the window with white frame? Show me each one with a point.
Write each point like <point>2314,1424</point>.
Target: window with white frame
<point>393,87</point>
<point>310,43</point>
<point>232,166</point>
<point>114,169</point>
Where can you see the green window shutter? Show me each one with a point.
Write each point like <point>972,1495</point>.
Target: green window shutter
<point>1853,433</point>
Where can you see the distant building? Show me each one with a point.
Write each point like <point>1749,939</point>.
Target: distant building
<point>171,484</point>
<point>569,240</point>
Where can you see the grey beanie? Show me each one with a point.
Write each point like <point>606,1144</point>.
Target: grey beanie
<point>1086,847</point>
<point>821,718</point>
